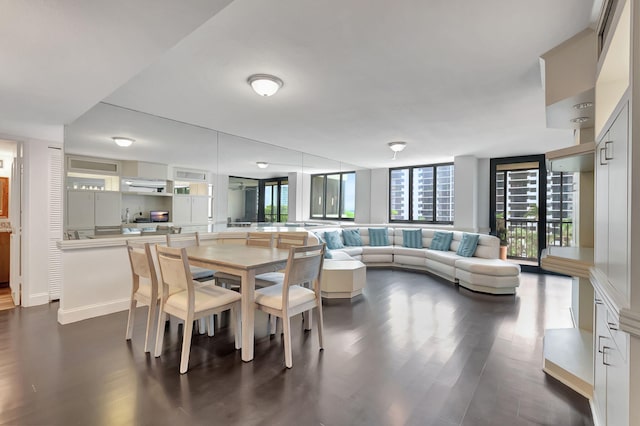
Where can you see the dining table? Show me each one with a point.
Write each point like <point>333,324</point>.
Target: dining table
<point>245,262</point>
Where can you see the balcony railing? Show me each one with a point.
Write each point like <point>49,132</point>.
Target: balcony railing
<point>522,235</point>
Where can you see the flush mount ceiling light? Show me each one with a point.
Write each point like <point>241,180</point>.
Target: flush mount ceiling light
<point>396,147</point>
<point>583,105</point>
<point>123,142</point>
<point>265,84</point>
<point>262,164</point>
<point>579,120</point>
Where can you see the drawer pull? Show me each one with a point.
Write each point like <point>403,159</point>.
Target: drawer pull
<point>613,326</point>
<point>602,163</point>
<point>598,301</point>
<point>599,347</point>
<point>606,150</point>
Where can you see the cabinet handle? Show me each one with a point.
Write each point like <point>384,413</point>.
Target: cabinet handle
<point>604,355</point>
<point>599,348</point>
<point>602,163</point>
<point>606,150</point>
<point>598,301</point>
<point>613,326</point>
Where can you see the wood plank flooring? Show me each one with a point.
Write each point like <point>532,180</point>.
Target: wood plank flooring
<point>413,351</point>
<point>6,301</point>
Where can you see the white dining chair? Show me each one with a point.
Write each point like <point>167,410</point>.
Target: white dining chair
<point>202,275</point>
<point>291,298</point>
<point>144,287</point>
<point>182,298</point>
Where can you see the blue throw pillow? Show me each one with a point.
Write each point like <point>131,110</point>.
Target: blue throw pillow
<point>378,237</point>
<point>412,238</point>
<point>441,241</point>
<point>328,255</point>
<point>352,237</point>
<point>333,240</point>
<point>468,245</point>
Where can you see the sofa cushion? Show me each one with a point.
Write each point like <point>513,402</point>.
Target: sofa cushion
<point>352,237</point>
<point>468,245</point>
<point>378,237</point>
<point>441,241</point>
<point>377,250</point>
<point>338,255</point>
<point>352,251</point>
<point>412,238</point>
<point>490,267</point>
<point>405,251</point>
<point>333,240</point>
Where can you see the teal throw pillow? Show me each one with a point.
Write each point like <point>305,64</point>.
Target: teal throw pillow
<point>412,238</point>
<point>328,255</point>
<point>378,237</point>
<point>352,237</point>
<point>468,245</point>
<point>441,241</point>
<point>333,240</point>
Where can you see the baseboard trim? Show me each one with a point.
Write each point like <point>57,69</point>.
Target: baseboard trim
<point>67,316</point>
<point>36,299</point>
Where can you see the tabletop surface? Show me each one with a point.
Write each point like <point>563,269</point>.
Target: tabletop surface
<point>239,256</point>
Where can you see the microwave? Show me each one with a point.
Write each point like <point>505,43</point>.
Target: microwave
<point>159,216</point>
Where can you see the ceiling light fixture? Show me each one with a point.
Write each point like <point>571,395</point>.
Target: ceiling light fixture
<point>583,105</point>
<point>579,120</point>
<point>265,84</point>
<point>262,164</point>
<point>396,147</point>
<point>123,142</point>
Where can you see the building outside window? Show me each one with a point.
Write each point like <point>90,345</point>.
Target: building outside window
<point>333,196</point>
<point>422,194</point>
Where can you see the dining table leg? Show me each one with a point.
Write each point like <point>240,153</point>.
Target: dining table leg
<point>247,289</point>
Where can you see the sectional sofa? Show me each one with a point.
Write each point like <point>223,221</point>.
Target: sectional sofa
<point>482,271</point>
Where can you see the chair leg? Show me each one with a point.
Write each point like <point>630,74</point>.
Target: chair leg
<point>288,361</point>
<point>186,345</point>
<point>320,325</point>
<point>211,325</point>
<point>132,313</point>
<point>273,323</point>
<point>150,318</point>
<point>308,319</point>
<point>160,334</point>
<point>202,325</point>
<point>236,321</point>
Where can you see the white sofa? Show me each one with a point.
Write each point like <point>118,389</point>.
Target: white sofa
<point>483,272</point>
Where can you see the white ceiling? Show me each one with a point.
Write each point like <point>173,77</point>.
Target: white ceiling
<point>450,77</point>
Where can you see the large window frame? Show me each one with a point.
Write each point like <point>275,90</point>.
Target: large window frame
<point>278,207</point>
<point>410,190</point>
<point>324,197</point>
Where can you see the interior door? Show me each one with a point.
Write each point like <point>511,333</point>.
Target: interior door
<point>15,216</point>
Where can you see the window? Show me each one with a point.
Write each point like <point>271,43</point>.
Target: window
<point>333,196</point>
<point>275,200</point>
<point>422,194</point>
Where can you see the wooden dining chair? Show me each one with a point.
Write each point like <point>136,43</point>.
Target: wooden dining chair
<point>144,288</point>
<point>287,240</point>
<point>291,298</point>
<point>255,239</point>
<point>184,299</point>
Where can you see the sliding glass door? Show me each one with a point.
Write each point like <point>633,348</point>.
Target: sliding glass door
<point>275,200</point>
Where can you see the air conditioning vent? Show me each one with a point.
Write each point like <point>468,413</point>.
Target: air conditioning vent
<point>87,165</point>
<point>190,175</point>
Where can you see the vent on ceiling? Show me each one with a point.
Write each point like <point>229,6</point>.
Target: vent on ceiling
<point>190,175</point>
<point>85,165</point>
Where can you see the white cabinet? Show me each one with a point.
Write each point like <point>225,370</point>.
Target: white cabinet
<point>611,369</point>
<point>86,209</point>
<point>611,216</point>
<point>190,209</point>
<point>142,169</point>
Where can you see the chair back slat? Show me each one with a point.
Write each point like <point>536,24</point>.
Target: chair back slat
<point>260,239</point>
<point>304,264</point>
<point>190,239</point>
<point>289,239</point>
<point>142,266</point>
<point>174,269</point>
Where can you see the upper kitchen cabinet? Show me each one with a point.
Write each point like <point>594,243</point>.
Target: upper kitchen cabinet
<point>144,170</point>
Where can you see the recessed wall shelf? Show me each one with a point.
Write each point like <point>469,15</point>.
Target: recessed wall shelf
<point>576,158</point>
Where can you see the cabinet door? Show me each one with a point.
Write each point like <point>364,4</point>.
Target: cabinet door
<point>107,208</point>
<point>80,209</point>
<point>617,385</point>
<point>601,253</point>
<point>199,209</point>
<point>181,210</point>
<point>617,157</point>
<point>600,369</point>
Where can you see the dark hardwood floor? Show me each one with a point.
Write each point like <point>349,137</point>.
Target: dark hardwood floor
<point>413,351</point>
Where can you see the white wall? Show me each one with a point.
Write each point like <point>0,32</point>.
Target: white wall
<point>221,188</point>
<point>379,196</point>
<point>466,193</point>
<point>235,206</point>
<point>363,196</point>
<point>295,196</point>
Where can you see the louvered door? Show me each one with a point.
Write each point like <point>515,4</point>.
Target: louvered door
<point>55,222</point>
